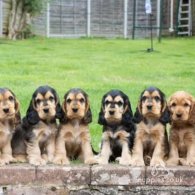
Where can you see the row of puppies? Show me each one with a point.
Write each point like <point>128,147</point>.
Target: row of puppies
<point>133,140</point>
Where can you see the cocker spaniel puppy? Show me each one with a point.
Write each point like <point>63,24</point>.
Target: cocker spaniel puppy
<point>151,141</point>
<point>118,128</point>
<point>73,138</point>
<point>35,138</point>
<point>182,132</point>
<point>9,119</point>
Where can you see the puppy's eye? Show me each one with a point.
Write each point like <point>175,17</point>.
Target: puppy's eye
<point>107,102</point>
<point>68,100</point>
<point>38,101</point>
<point>186,105</point>
<point>173,104</point>
<point>157,98</point>
<point>82,100</point>
<point>144,98</point>
<point>51,98</point>
<point>120,103</point>
<point>11,98</point>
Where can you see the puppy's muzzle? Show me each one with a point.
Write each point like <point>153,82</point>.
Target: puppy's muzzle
<point>6,110</point>
<point>46,110</point>
<point>149,107</point>
<point>179,115</point>
<point>111,112</point>
<point>75,110</point>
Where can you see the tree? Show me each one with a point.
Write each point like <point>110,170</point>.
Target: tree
<point>20,16</point>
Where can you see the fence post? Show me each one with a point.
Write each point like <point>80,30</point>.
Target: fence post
<point>88,18</point>
<point>1,18</point>
<point>48,20</point>
<point>134,18</point>
<point>158,17</point>
<point>125,17</point>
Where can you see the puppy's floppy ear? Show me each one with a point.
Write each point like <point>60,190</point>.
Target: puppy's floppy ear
<point>163,102</point>
<point>17,114</point>
<point>101,119</point>
<point>165,113</point>
<point>137,118</point>
<point>88,115</point>
<point>62,112</point>
<point>192,113</point>
<point>32,116</point>
<point>59,111</point>
<point>127,115</point>
<point>165,116</point>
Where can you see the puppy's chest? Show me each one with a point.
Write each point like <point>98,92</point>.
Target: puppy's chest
<point>75,133</point>
<point>185,137</point>
<point>118,133</point>
<point>43,132</point>
<point>147,132</point>
<point>5,133</point>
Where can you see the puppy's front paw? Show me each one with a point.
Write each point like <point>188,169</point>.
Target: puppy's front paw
<point>124,161</point>
<point>187,162</point>
<point>137,162</point>
<point>37,161</point>
<point>172,162</point>
<point>102,161</point>
<point>61,160</point>
<point>157,161</point>
<point>47,158</point>
<point>6,159</point>
<point>91,161</point>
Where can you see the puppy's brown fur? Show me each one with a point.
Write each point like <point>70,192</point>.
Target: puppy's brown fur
<point>34,140</point>
<point>9,118</point>
<point>151,141</point>
<point>73,139</point>
<point>182,133</point>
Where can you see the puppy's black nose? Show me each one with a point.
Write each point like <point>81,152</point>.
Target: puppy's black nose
<point>46,110</point>
<point>75,110</point>
<point>111,112</point>
<point>149,107</point>
<point>6,110</point>
<point>179,115</point>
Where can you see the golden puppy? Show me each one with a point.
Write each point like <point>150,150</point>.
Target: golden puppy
<point>151,141</point>
<point>118,129</point>
<point>182,133</point>
<point>34,140</point>
<point>9,119</point>
<point>73,139</point>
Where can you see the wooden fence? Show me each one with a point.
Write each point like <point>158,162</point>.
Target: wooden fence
<point>1,18</point>
<point>99,18</point>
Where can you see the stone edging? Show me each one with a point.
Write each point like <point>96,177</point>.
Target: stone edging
<point>97,175</point>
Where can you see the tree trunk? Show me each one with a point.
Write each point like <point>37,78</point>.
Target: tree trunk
<point>17,19</point>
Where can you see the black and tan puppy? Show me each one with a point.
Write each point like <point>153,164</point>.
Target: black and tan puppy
<point>73,139</point>
<point>118,128</point>
<point>151,141</point>
<point>35,138</point>
<point>9,119</point>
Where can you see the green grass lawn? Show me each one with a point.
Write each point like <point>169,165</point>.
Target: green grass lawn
<point>96,65</point>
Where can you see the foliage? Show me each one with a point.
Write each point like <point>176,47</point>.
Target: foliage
<point>96,65</point>
<point>33,6</point>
